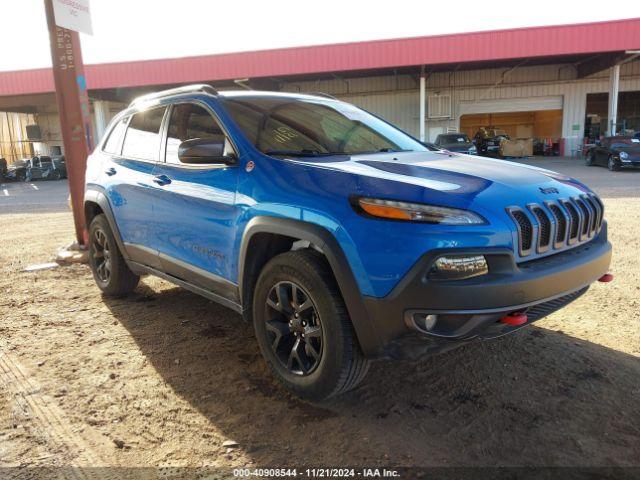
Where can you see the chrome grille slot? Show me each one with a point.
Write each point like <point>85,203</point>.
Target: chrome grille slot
<point>574,221</point>
<point>593,215</point>
<point>595,225</point>
<point>599,208</point>
<point>586,218</point>
<point>544,228</point>
<point>525,230</point>
<point>561,224</point>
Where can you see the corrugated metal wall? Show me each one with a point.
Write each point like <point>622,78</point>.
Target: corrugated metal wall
<point>396,98</point>
<point>14,144</point>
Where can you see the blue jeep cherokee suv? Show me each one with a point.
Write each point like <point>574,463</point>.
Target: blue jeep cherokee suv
<point>339,236</point>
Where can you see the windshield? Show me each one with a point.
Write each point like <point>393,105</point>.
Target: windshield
<point>625,142</point>
<point>311,127</point>
<point>457,138</point>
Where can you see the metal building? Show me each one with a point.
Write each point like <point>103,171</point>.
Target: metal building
<point>565,83</point>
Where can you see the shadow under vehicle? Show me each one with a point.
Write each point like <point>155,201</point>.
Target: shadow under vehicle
<point>615,153</point>
<point>40,167</point>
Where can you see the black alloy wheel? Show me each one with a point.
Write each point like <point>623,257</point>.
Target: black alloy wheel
<point>100,252</point>
<point>294,328</point>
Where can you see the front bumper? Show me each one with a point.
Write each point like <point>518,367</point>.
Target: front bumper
<point>630,163</point>
<point>471,309</point>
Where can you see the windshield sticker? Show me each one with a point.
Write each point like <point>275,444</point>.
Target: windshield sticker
<point>284,134</point>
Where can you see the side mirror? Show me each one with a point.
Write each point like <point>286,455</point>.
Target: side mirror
<point>202,151</point>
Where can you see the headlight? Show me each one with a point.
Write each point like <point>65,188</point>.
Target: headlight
<point>624,155</point>
<point>418,212</point>
<point>473,150</point>
<point>458,267</point>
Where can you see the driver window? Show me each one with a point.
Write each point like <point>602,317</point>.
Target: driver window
<point>189,121</point>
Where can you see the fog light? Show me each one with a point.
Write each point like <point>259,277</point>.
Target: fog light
<point>425,322</point>
<point>458,267</point>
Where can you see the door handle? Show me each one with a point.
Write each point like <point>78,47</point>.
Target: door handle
<point>162,180</point>
<point>110,171</point>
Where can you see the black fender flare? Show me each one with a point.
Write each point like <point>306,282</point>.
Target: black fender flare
<point>97,195</point>
<point>325,241</point>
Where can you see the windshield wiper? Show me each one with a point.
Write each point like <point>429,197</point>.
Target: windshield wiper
<point>392,150</point>
<point>301,153</point>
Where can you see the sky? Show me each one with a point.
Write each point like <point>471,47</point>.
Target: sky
<point>143,29</point>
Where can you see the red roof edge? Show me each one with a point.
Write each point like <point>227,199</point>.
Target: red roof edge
<point>522,42</point>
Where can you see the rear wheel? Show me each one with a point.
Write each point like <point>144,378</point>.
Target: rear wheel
<point>590,160</point>
<point>56,175</point>
<point>612,165</point>
<point>110,271</point>
<point>303,328</point>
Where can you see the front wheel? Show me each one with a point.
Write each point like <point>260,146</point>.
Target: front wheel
<point>110,271</point>
<point>303,328</point>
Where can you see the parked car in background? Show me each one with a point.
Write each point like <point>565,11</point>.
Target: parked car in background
<point>488,139</point>
<point>40,167</point>
<point>615,153</point>
<point>456,142</point>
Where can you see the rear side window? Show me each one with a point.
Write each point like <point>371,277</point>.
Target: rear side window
<point>142,140</point>
<point>112,145</point>
<point>189,121</point>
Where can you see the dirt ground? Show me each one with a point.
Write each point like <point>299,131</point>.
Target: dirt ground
<point>163,378</point>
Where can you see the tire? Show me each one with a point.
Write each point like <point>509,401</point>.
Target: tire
<point>322,325</point>
<point>55,175</point>
<point>110,271</point>
<point>612,165</point>
<point>21,176</point>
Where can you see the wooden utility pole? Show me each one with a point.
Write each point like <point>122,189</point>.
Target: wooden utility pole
<point>73,108</point>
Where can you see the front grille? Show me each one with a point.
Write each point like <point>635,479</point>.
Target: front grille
<point>557,225</point>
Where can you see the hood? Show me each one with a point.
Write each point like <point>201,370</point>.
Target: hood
<point>451,179</point>
<point>632,150</point>
<point>458,146</point>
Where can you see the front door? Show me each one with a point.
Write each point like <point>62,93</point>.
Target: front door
<point>195,225</point>
<point>128,179</point>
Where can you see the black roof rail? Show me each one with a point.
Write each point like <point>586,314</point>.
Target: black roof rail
<point>323,94</point>
<point>201,87</point>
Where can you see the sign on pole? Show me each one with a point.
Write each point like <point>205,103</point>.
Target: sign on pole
<point>73,15</point>
<point>73,108</point>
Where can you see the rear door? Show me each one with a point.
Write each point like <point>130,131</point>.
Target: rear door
<point>196,215</point>
<point>602,152</point>
<point>128,179</point>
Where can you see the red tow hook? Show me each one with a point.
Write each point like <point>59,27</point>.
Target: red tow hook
<point>606,278</point>
<point>515,319</point>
